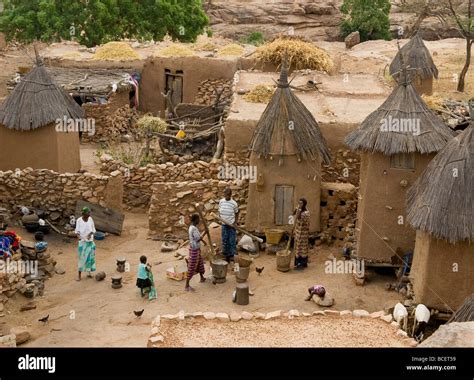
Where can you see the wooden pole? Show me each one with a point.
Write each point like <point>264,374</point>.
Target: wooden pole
<point>237,228</point>
<point>206,228</point>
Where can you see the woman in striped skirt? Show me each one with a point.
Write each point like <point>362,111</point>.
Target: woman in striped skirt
<point>195,260</point>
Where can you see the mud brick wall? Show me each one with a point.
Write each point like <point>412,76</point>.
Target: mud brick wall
<point>338,212</point>
<point>345,167</point>
<point>173,202</point>
<point>52,191</point>
<point>138,181</point>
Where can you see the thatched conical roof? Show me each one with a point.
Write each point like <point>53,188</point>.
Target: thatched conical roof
<point>417,56</point>
<point>37,101</point>
<point>406,108</point>
<point>286,127</point>
<point>441,201</point>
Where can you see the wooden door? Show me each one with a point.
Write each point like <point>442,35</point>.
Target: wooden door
<point>175,84</point>
<point>284,206</point>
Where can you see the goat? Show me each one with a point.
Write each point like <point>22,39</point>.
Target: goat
<point>400,313</point>
<point>422,316</point>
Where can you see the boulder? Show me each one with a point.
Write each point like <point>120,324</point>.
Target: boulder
<point>454,334</point>
<point>352,40</point>
<point>327,301</point>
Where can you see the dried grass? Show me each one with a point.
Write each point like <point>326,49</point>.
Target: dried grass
<point>260,94</point>
<point>115,51</point>
<point>154,124</point>
<point>301,54</point>
<point>433,101</point>
<point>231,49</point>
<point>176,50</point>
<point>208,46</point>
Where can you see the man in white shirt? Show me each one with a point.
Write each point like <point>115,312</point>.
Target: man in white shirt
<point>228,210</point>
<point>85,230</point>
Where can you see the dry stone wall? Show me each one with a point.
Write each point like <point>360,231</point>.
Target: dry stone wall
<point>57,192</point>
<point>206,94</point>
<point>138,181</point>
<point>173,202</point>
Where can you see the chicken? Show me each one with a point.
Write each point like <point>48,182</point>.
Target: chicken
<point>138,314</point>
<point>422,316</point>
<point>259,270</point>
<point>44,319</point>
<point>400,313</point>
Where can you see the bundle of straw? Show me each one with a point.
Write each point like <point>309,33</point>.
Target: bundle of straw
<point>260,94</point>
<point>115,51</point>
<point>176,50</point>
<point>301,54</point>
<point>231,49</point>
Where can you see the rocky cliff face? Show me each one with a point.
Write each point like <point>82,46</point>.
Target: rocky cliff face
<point>315,19</point>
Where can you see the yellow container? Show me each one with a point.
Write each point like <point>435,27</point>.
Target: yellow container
<point>181,134</point>
<point>274,235</point>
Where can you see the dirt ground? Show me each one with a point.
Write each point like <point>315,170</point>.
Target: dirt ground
<point>91,313</point>
<point>301,332</point>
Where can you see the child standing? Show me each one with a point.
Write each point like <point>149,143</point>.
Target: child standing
<point>145,279</point>
<point>195,260</point>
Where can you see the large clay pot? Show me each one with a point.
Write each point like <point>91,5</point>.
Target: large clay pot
<point>243,274</point>
<point>283,259</point>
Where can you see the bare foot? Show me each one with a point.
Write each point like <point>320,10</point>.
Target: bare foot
<point>189,289</point>
<point>89,275</point>
<point>78,279</point>
<point>203,279</point>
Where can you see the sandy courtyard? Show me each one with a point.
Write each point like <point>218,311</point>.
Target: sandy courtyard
<point>91,313</point>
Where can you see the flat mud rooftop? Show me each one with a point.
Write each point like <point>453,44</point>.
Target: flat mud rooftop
<point>310,331</point>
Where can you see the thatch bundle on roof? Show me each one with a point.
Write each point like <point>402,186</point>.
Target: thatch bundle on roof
<point>417,56</point>
<point>465,313</point>
<point>302,54</point>
<point>37,101</point>
<point>441,201</point>
<point>405,106</point>
<point>286,127</point>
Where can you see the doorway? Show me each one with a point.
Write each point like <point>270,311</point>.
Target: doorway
<point>283,204</point>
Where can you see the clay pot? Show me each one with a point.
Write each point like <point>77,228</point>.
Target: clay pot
<point>219,270</point>
<point>244,261</point>
<point>243,274</point>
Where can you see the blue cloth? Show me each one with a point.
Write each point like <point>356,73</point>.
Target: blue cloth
<point>142,273</point>
<point>86,253</point>
<point>229,241</point>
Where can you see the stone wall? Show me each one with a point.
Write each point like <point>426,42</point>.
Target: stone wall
<point>55,192</point>
<point>206,94</point>
<point>138,181</point>
<point>173,202</point>
<point>112,119</point>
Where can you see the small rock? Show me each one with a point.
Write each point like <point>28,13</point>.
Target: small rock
<point>235,317</point>
<point>273,314</point>
<point>8,341</point>
<point>360,313</point>
<point>345,313</point>
<point>331,312</point>
<point>198,314</point>
<point>247,316</point>
<point>209,315</point>
<point>157,321</point>
<point>156,339</point>
<point>155,330</point>
<point>223,317</point>
<point>28,306</point>
<point>259,315</point>
<point>22,334</point>
<point>318,312</point>
<point>377,314</point>
<point>394,324</point>
<point>402,333</point>
<point>293,313</point>
<point>169,316</point>
<point>306,314</point>
<point>59,270</point>
<point>387,318</point>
